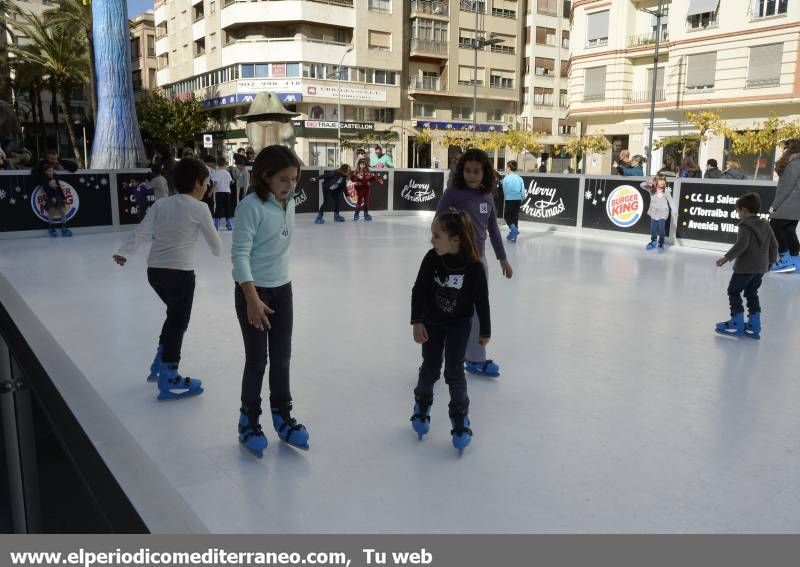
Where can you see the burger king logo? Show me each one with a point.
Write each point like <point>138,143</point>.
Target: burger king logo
<point>71,202</point>
<point>624,206</point>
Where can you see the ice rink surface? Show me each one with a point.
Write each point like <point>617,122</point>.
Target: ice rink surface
<point>618,409</point>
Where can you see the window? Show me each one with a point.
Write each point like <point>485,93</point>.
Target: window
<point>465,75</point>
<point>431,30</point>
<point>151,46</point>
<point>212,41</point>
<point>563,98</point>
<point>424,110</point>
<point>565,68</point>
<point>545,36</point>
<point>700,71</point>
<point>526,65</point>
<point>765,66</point>
<point>384,6</point>
<point>501,79</point>
<point>544,125</point>
<point>506,47</point>
<point>527,35</point>
<point>361,114</point>
<point>466,38</point>
<point>594,84</point>
<point>199,47</point>
<point>462,112</point>
<point>315,71</point>
<point>379,40</point>
<point>197,12</point>
<point>212,6</point>
<point>495,115</point>
<point>135,49</point>
<point>565,39</point>
<point>597,34</point>
<point>766,8</point>
<point>385,77</point>
<point>163,61</point>
<point>151,78</point>
<point>526,96</point>
<point>567,127</point>
<point>542,96</point>
<point>706,20</point>
<point>472,5</point>
<point>323,154</point>
<point>547,7</point>
<point>545,67</point>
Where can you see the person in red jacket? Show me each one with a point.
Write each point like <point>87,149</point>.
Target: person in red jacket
<point>361,178</point>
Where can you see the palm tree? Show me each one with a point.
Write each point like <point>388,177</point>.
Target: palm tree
<point>117,140</point>
<point>77,14</point>
<point>5,86</point>
<point>62,56</point>
<point>28,84</point>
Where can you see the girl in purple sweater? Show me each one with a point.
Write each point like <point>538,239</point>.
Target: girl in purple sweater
<point>471,192</point>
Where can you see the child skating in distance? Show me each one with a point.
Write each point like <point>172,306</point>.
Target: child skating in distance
<point>333,183</point>
<point>662,206</point>
<point>471,192</point>
<point>513,193</point>
<point>175,222</point>
<point>450,286</point>
<point>263,296</point>
<point>755,250</point>
<point>361,178</point>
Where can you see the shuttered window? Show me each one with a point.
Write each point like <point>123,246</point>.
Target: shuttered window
<point>597,33</point>
<point>765,66</point>
<point>545,67</point>
<point>594,87</point>
<point>700,71</point>
<point>380,40</point>
<point>564,68</point>
<point>544,125</point>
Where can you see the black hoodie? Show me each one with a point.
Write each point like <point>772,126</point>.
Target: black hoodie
<point>756,248</point>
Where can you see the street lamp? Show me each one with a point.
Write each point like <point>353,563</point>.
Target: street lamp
<point>478,42</point>
<point>659,13</point>
<point>339,105</point>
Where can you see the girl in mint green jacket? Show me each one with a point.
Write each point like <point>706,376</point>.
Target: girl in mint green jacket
<point>262,235</point>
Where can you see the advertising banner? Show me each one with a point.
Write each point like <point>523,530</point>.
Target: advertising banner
<point>133,196</point>
<point>378,199</point>
<point>22,202</point>
<point>550,200</point>
<point>707,211</point>
<point>306,194</point>
<point>417,190</point>
<point>617,204</point>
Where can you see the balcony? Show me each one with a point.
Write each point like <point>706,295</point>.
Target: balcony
<point>645,96</point>
<point>428,48</point>
<point>289,49</point>
<point>500,13</point>
<point>338,13</point>
<point>473,5</point>
<point>645,39</point>
<point>430,8</point>
<point>427,84</point>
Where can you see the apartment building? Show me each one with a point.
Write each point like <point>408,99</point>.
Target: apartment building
<point>545,77</point>
<point>143,51</point>
<point>315,54</point>
<point>735,57</point>
<point>446,87</point>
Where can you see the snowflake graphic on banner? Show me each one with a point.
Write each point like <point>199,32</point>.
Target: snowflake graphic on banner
<point>3,194</point>
<point>12,201</point>
<point>588,195</point>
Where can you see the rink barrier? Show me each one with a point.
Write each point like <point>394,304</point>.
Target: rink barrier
<point>101,200</point>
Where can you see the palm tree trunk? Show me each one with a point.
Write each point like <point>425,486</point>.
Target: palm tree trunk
<point>92,78</point>
<point>117,140</point>
<point>64,95</point>
<point>42,137</point>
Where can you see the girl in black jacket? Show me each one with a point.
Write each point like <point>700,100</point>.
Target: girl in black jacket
<point>333,183</point>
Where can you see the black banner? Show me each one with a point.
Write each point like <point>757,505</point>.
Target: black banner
<point>417,190</point>
<point>617,204</point>
<point>707,211</point>
<point>22,203</point>
<point>134,197</point>
<point>550,200</point>
<point>378,198</point>
<point>306,193</point>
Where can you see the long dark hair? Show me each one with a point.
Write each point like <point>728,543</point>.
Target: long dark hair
<point>790,148</point>
<point>270,161</point>
<point>488,183</point>
<point>689,164</point>
<point>457,223</point>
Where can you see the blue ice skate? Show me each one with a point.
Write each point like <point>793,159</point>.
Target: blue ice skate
<point>734,327</point>
<point>355,215</point>
<point>65,231</point>
<point>367,217</point>
<point>796,261</point>
<point>173,386</point>
<point>288,429</point>
<point>485,368</point>
<point>250,434</point>
<point>661,247</point>
<point>421,419</point>
<point>783,265</point>
<point>462,434</point>
<point>216,224</point>
<point>752,328</point>
<point>319,220</point>
<point>52,232</point>
<point>338,218</point>
<point>513,233</point>
<point>228,225</point>
<point>156,366</point>
<point>651,245</point>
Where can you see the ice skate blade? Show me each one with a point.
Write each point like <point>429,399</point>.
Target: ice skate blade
<point>152,378</point>
<point>258,453</point>
<point>168,395</point>
<point>733,333</point>
<point>752,335</point>
<point>304,446</point>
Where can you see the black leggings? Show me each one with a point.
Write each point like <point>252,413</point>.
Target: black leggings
<point>749,284</point>
<point>223,208</point>
<point>786,235</point>
<point>330,196</point>
<point>449,340</point>
<point>176,289</point>
<point>274,343</point>
<point>511,212</point>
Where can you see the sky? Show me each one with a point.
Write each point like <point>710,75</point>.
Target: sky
<point>136,7</point>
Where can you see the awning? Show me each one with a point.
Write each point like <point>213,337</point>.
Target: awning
<point>702,7</point>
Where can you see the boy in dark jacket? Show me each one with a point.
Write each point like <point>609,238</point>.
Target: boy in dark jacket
<point>756,249</point>
<point>712,170</point>
<point>333,183</point>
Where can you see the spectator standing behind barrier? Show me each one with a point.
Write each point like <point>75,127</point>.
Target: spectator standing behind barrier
<point>732,170</point>
<point>381,160</point>
<point>634,168</point>
<point>543,163</point>
<point>785,208</point>
<point>158,183</point>
<point>689,169</point>
<point>513,193</point>
<point>624,163</point>
<point>668,169</point>
<point>712,171</point>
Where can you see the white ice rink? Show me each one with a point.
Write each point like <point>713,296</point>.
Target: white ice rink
<point>618,409</point>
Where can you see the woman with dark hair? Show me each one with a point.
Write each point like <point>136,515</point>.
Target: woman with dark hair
<point>263,296</point>
<point>785,209</point>
<point>689,168</point>
<point>668,169</point>
<point>471,192</point>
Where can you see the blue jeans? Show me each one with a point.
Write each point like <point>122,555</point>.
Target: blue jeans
<point>749,284</point>
<point>657,229</point>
